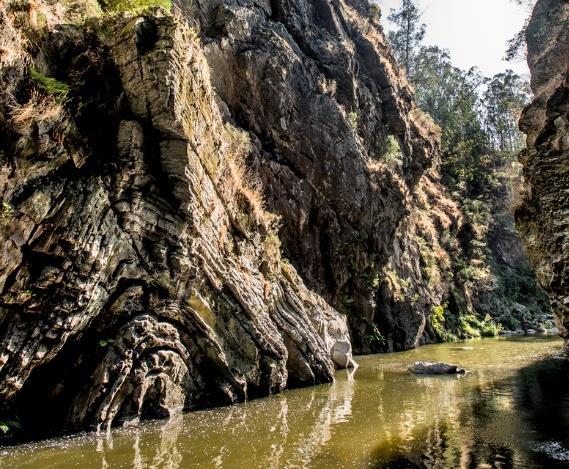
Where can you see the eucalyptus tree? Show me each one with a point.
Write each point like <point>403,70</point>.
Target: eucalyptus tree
<point>408,33</point>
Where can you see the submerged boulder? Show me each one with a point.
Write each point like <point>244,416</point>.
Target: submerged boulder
<point>428,368</point>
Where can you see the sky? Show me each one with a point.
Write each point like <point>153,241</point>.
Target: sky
<point>475,31</point>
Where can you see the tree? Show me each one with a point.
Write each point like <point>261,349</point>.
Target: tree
<point>516,47</point>
<point>451,96</point>
<point>479,145</point>
<point>408,34</point>
<point>503,101</point>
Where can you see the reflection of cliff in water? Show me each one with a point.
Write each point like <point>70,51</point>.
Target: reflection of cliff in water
<point>520,421</point>
<point>293,431</point>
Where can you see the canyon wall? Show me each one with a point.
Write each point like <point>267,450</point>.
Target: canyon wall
<point>141,274</point>
<point>208,205</point>
<point>149,164</point>
<point>543,217</point>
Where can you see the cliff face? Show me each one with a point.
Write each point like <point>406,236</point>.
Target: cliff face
<point>542,217</point>
<point>140,272</point>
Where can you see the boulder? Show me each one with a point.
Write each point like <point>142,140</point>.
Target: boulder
<point>428,368</point>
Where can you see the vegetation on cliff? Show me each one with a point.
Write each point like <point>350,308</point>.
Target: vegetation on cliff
<point>480,141</point>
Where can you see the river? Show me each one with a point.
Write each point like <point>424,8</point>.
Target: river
<point>511,410</point>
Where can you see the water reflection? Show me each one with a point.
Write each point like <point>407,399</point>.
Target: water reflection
<point>511,411</point>
<point>520,420</point>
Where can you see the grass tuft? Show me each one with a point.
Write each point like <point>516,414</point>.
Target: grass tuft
<point>50,85</point>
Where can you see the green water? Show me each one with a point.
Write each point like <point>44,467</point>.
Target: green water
<point>512,410</point>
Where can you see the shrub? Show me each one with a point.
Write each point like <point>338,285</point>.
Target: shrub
<point>469,326</point>
<point>374,337</point>
<point>438,321</point>
<point>353,118</point>
<point>489,327</point>
<point>8,426</point>
<point>399,286</point>
<point>392,151</point>
<point>510,322</point>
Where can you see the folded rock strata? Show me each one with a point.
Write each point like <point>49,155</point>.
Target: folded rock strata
<point>139,275</point>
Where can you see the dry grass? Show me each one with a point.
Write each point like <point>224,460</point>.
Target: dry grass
<point>23,23</point>
<point>240,187</point>
<point>13,44</point>
<point>434,219</point>
<point>38,109</point>
<point>425,122</point>
<point>443,209</point>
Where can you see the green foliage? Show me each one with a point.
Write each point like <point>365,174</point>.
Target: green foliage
<point>408,33</point>
<point>478,118</point>
<point>353,118</point>
<point>50,85</point>
<point>505,97</point>
<point>400,285</point>
<point>430,266</point>
<point>106,342</point>
<point>519,286</point>
<point>471,326</point>
<point>375,10</point>
<point>438,320</point>
<point>463,326</point>
<point>8,426</point>
<point>6,211</point>
<point>391,151</point>
<point>480,141</point>
<point>346,300</point>
<point>133,6</point>
<point>374,337</point>
<point>490,328</point>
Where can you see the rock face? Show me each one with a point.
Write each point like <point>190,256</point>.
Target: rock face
<point>317,86</point>
<point>140,272</point>
<point>543,216</point>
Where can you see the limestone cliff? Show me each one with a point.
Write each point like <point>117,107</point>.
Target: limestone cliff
<point>543,216</point>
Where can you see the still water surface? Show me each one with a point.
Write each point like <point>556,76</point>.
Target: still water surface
<point>512,410</point>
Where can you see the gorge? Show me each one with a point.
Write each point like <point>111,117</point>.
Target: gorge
<point>212,201</point>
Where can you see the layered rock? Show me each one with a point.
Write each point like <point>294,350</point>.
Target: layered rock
<point>543,216</point>
<point>140,272</point>
<point>318,87</point>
